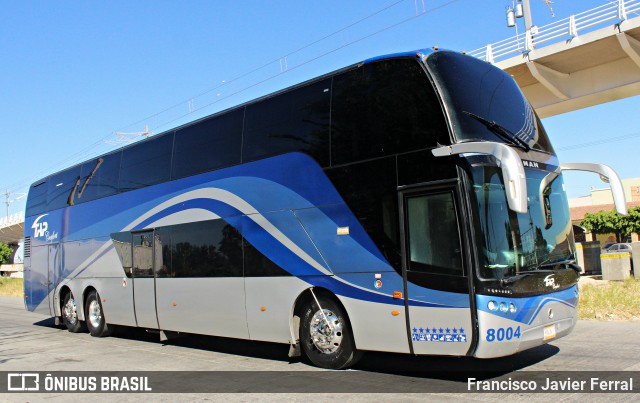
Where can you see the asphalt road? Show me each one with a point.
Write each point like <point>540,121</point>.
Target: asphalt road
<point>29,342</point>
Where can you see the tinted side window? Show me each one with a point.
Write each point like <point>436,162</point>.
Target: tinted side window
<point>123,246</point>
<point>384,108</point>
<point>146,163</point>
<point>60,187</point>
<point>369,189</point>
<point>144,254</point>
<point>201,249</point>
<point>208,145</point>
<point>99,178</point>
<point>432,233</point>
<point>37,199</point>
<point>293,121</point>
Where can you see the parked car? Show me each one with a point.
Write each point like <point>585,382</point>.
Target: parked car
<point>607,246</point>
<point>617,247</point>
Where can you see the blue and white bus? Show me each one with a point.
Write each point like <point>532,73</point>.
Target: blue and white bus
<point>411,203</point>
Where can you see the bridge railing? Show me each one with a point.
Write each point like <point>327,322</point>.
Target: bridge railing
<point>614,11</point>
<point>13,219</point>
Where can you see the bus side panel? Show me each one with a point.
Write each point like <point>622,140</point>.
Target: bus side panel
<point>374,326</point>
<point>277,295</point>
<point>36,279</point>
<point>212,306</point>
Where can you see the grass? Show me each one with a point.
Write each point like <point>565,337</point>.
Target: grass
<point>11,287</point>
<point>613,300</point>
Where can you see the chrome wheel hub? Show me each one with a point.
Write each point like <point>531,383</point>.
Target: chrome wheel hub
<point>326,336</point>
<point>70,311</point>
<point>95,313</point>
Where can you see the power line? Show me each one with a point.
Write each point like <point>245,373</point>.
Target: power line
<point>90,149</point>
<point>599,142</point>
<point>266,64</point>
<point>309,61</point>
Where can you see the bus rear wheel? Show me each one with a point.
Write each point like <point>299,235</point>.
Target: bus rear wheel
<point>95,316</point>
<point>326,335</point>
<point>70,314</point>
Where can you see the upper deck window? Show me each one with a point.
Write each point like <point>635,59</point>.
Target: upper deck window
<point>146,163</point>
<point>297,120</point>
<point>384,108</point>
<point>211,144</point>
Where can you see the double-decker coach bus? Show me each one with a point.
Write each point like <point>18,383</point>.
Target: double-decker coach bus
<point>411,203</point>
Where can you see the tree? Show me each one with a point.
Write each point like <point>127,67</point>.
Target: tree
<point>610,222</point>
<point>5,253</point>
<point>631,222</point>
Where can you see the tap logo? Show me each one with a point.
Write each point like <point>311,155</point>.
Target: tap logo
<point>550,281</point>
<point>40,228</point>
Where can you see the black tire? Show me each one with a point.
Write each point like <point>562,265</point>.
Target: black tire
<point>69,312</point>
<point>94,315</point>
<point>337,350</point>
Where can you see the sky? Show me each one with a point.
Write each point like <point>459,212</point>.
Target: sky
<point>74,74</point>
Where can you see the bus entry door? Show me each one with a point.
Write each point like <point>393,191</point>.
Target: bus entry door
<point>437,287</point>
<point>144,285</point>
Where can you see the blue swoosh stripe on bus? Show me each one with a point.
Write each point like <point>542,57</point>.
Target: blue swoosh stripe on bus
<point>528,307</point>
<point>215,206</point>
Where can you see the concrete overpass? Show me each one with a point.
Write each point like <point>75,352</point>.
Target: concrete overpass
<point>586,59</point>
<point>12,228</point>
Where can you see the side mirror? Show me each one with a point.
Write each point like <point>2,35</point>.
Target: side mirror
<point>515,181</point>
<point>607,174</point>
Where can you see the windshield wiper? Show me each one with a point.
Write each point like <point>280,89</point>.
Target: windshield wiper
<point>501,131</point>
<point>570,264</point>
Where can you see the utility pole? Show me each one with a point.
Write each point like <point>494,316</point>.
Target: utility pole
<point>8,199</point>
<point>528,21</point>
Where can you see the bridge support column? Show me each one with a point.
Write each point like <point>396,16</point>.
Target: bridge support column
<point>631,47</point>
<point>552,80</point>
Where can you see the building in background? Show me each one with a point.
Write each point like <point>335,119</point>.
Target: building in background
<point>602,199</point>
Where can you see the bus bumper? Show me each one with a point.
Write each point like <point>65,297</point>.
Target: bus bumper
<point>539,320</point>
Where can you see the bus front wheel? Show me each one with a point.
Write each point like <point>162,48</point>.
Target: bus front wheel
<point>95,316</point>
<point>325,335</point>
<point>70,314</point>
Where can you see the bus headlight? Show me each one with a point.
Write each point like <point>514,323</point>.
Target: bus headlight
<point>512,307</point>
<point>503,307</point>
<point>492,305</point>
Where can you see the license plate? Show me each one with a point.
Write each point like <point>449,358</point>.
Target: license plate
<point>549,332</point>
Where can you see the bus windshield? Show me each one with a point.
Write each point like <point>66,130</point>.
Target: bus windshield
<point>487,98</point>
<point>513,243</point>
